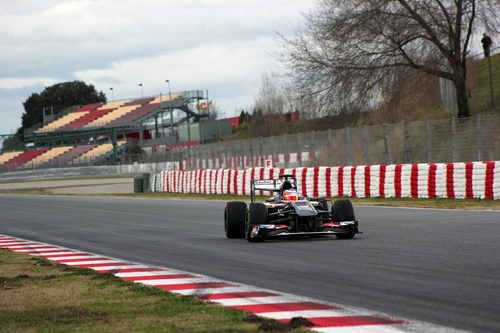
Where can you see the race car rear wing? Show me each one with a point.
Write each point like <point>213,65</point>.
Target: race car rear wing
<point>272,185</point>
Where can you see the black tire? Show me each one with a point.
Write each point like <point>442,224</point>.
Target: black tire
<point>257,214</point>
<point>235,216</point>
<point>138,184</point>
<point>342,210</point>
<point>323,204</point>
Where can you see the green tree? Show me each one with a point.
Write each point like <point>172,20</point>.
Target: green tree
<point>59,96</point>
<point>244,117</point>
<point>12,143</point>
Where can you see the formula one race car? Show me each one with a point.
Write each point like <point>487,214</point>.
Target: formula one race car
<point>287,214</point>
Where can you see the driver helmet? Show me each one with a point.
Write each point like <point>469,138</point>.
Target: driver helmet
<point>290,195</point>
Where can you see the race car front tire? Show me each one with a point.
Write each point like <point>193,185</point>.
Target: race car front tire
<point>323,204</point>
<point>342,210</point>
<point>235,215</point>
<point>257,214</point>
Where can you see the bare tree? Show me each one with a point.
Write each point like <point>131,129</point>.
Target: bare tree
<point>352,50</point>
<point>271,97</point>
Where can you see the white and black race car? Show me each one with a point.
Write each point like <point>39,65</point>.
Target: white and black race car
<point>287,214</point>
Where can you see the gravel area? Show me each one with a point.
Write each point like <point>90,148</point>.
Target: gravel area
<point>75,186</point>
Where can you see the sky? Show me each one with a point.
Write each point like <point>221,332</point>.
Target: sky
<point>223,46</point>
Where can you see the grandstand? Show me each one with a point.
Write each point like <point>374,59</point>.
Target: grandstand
<point>97,133</point>
<point>68,118</point>
<point>58,156</point>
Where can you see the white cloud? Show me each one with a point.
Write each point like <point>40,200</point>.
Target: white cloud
<point>18,83</point>
<point>197,66</point>
<point>221,45</point>
<point>231,72</point>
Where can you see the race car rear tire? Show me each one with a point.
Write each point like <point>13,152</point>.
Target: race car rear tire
<point>342,210</point>
<point>235,215</point>
<point>257,214</point>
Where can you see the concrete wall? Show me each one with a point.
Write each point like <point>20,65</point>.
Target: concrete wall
<point>104,170</point>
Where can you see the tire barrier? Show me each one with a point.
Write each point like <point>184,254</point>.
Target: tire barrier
<point>138,184</point>
<point>425,180</point>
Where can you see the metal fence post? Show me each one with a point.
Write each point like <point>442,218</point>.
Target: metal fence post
<point>213,156</point>
<point>285,151</point>
<point>406,144</point>
<point>313,147</point>
<point>428,137</point>
<point>261,151</point>
<point>479,138</point>
<point>199,160</point>
<point>272,150</point>
<point>299,149</point>
<point>251,153</point>
<point>242,155</point>
<point>225,149</point>
<point>453,140</point>
<point>330,147</point>
<point>348,145</point>
<point>365,145</point>
<point>386,146</point>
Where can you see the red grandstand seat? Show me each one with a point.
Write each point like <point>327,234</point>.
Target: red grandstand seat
<point>137,114</point>
<point>23,158</point>
<point>90,107</point>
<point>140,101</point>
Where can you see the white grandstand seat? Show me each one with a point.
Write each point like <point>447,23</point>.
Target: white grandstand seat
<point>49,155</point>
<point>62,121</point>
<point>110,116</point>
<point>5,157</point>
<point>96,153</point>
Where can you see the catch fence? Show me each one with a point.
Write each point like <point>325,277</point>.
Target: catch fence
<point>430,141</point>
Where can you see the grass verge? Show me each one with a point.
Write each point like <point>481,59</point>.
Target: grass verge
<point>438,203</point>
<point>38,295</point>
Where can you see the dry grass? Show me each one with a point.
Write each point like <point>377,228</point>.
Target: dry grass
<point>41,296</point>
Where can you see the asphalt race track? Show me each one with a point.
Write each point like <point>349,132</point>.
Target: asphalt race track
<point>438,266</point>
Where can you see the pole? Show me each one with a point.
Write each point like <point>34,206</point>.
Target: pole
<point>454,156</point>
<point>428,136</point>
<point>365,144</point>
<point>170,107</point>
<point>330,152</point>
<point>115,143</point>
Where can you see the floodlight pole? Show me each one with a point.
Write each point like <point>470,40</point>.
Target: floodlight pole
<point>170,106</point>
<point>142,91</point>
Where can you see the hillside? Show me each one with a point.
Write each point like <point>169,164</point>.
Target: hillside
<point>417,99</point>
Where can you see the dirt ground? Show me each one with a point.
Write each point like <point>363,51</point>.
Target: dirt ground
<point>75,186</point>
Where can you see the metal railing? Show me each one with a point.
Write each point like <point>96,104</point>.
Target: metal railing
<point>431,141</point>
